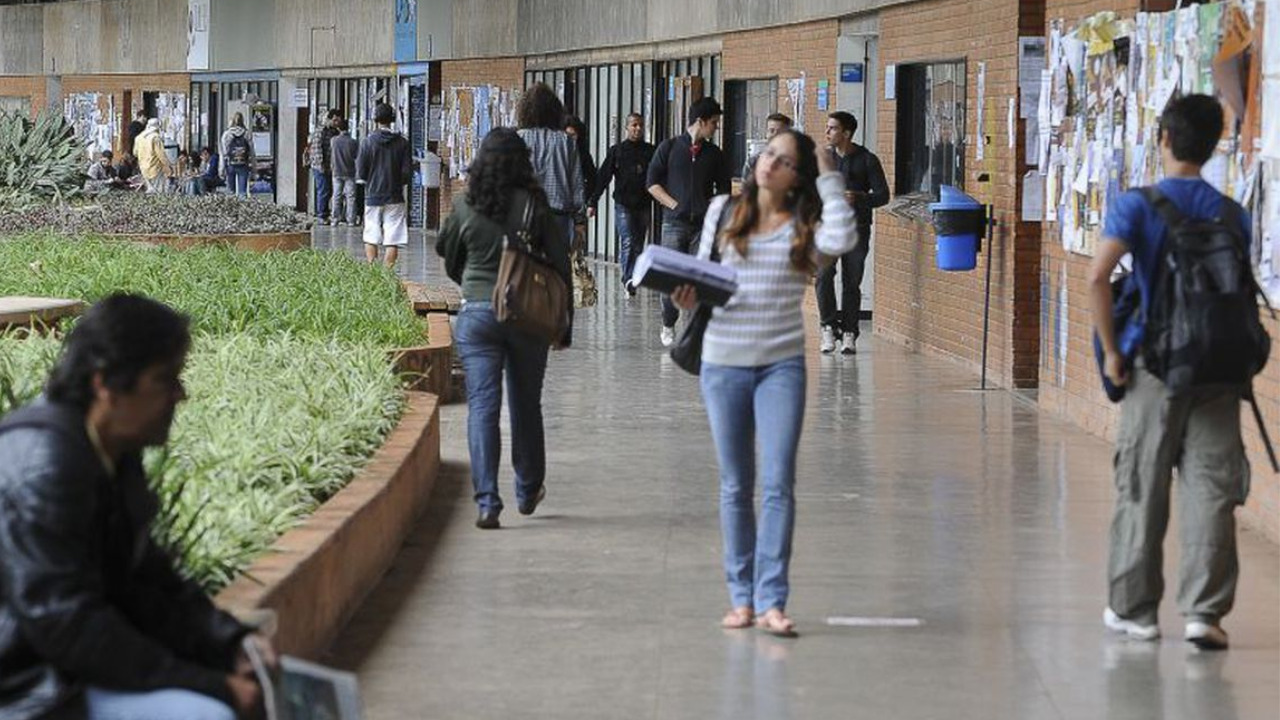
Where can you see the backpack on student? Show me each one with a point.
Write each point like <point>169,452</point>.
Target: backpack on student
<point>1203,327</point>
<point>238,150</point>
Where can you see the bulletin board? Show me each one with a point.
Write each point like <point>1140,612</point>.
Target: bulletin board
<point>93,117</point>
<point>469,114</point>
<point>1106,82</point>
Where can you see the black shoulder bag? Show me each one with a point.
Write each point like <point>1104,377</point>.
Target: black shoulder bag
<point>687,352</point>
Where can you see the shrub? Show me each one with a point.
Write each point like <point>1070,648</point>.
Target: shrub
<point>308,293</point>
<point>40,161</point>
<point>271,429</point>
<point>139,213</point>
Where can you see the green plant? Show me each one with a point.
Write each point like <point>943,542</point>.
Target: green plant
<point>309,293</point>
<point>272,428</point>
<point>40,161</point>
<point>138,213</point>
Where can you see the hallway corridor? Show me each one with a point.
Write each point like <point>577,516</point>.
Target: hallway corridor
<point>949,562</point>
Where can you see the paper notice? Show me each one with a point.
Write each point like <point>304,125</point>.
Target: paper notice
<point>1013,124</point>
<point>1032,197</point>
<point>1031,63</point>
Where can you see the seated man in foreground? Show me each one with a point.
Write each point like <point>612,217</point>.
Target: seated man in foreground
<point>94,619</point>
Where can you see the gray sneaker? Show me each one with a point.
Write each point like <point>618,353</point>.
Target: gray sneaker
<point>668,337</point>
<point>1206,636</point>
<point>1132,629</point>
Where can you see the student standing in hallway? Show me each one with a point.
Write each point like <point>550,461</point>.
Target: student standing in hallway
<point>866,189</point>
<point>343,149</point>
<point>554,154</point>
<point>686,172</point>
<point>792,214</point>
<point>774,124</point>
<point>628,163</point>
<point>319,156</point>
<point>385,166</point>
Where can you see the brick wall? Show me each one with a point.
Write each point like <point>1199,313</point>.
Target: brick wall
<point>32,87</point>
<point>1069,382</point>
<point>916,304</point>
<point>506,73</point>
<point>784,53</point>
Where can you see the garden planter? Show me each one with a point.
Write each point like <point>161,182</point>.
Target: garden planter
<point>430,366</point>
<point>18,311</point>
<point>316,575</point>
<point>257,242</point>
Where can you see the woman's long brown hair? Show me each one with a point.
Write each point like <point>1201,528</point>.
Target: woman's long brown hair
<point>802,201</point>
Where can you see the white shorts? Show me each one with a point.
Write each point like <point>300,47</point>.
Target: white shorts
<point>386,225</point>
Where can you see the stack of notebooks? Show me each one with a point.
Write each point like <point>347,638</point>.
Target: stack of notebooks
<point>663,269</point>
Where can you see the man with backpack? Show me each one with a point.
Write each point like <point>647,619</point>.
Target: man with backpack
<point>237,156</point>
<point>1201,342</point>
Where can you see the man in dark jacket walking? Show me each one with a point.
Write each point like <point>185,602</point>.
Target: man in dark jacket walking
<point>628,164</point>
<point>867,189</point>
<point>94,618</point>
<point>385,166</point>
<point>687,171</point>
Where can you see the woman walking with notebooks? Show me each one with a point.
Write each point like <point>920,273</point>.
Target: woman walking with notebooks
<point>501,188</point>
<point>791,218</point>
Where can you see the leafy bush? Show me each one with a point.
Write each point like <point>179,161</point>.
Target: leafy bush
<point>139,213</point>
<point>40,161</point>
<point>308,293</point>
<point>271,429</point>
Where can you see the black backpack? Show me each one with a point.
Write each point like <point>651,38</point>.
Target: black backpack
<point>1203,327</point>
<point>238,150</point>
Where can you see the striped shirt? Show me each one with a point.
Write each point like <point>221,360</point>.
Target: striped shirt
<point>555,163</point>
<point>763,323</point>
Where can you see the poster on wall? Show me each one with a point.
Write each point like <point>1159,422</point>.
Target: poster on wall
<point>198,12</point>
<point>406,30</point>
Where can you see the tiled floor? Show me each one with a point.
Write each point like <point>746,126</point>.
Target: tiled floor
<point>918,499</point>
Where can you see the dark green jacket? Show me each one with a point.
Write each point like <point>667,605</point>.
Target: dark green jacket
<point>471,245</point>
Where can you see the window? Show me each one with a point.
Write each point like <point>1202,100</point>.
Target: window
<point>747,104</point>
<point>931,121</point>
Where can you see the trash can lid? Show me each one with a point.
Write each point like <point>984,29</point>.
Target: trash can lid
<point>952,198</point>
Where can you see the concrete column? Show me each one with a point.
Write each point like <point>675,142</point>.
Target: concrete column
<point>286,165</point>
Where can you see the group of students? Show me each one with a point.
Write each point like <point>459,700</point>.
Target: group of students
<point>96,622</point>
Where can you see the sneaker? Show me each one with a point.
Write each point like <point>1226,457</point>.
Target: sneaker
<point>828,345</point>
<point>1206,636</point>
<point>1132,629</point>
<point>630,287</point>
<point>527,507</point>
<point>850,345</point>
<point>668,337</point>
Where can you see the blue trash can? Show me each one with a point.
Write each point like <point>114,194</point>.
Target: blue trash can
<point>958,222</point>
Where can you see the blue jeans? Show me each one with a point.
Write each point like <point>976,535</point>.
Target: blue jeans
<point>743,404</point>
<point>238,179</point>
<point>681,235</point>
<point>633,226</point>
<point>323,189</point>
<point>155,705</point>
<point>487,348</point>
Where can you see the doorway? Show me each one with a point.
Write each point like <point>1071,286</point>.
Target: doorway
<point>858,58</point>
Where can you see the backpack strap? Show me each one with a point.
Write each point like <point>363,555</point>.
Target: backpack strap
<point>1168,212</point>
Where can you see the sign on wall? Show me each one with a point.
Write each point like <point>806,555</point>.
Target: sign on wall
<point>406,44</point>
<point>198,34</point>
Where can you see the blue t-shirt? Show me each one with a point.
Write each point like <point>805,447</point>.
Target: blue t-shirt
<point>1136,223</point>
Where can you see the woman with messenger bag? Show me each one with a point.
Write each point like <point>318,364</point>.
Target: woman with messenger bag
<point>791,217</point>
<point>503,245</point>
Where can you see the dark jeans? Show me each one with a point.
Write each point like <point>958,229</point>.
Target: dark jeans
<point>633,229</point>
<point>853,265</point>
<point>488,349</point>
<point>323,190</point>
<point>681,235</point>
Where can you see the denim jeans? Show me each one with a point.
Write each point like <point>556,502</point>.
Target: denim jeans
<point>170,704</point>
<point>238,179</point>
<point>853,266</point>
<point>324,188</point>
<point>633,227</point>
<point>344,200</point>
<point>487,349</point>
<point>745,404</point>
<point>681,235</point>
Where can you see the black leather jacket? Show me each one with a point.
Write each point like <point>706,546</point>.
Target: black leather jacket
<point>87,598</point>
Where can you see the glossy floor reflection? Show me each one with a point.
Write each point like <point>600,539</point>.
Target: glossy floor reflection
<point>918,498</point>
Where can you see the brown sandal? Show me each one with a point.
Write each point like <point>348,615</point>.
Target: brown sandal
<point>776,623</point>
<point>738,619</point>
